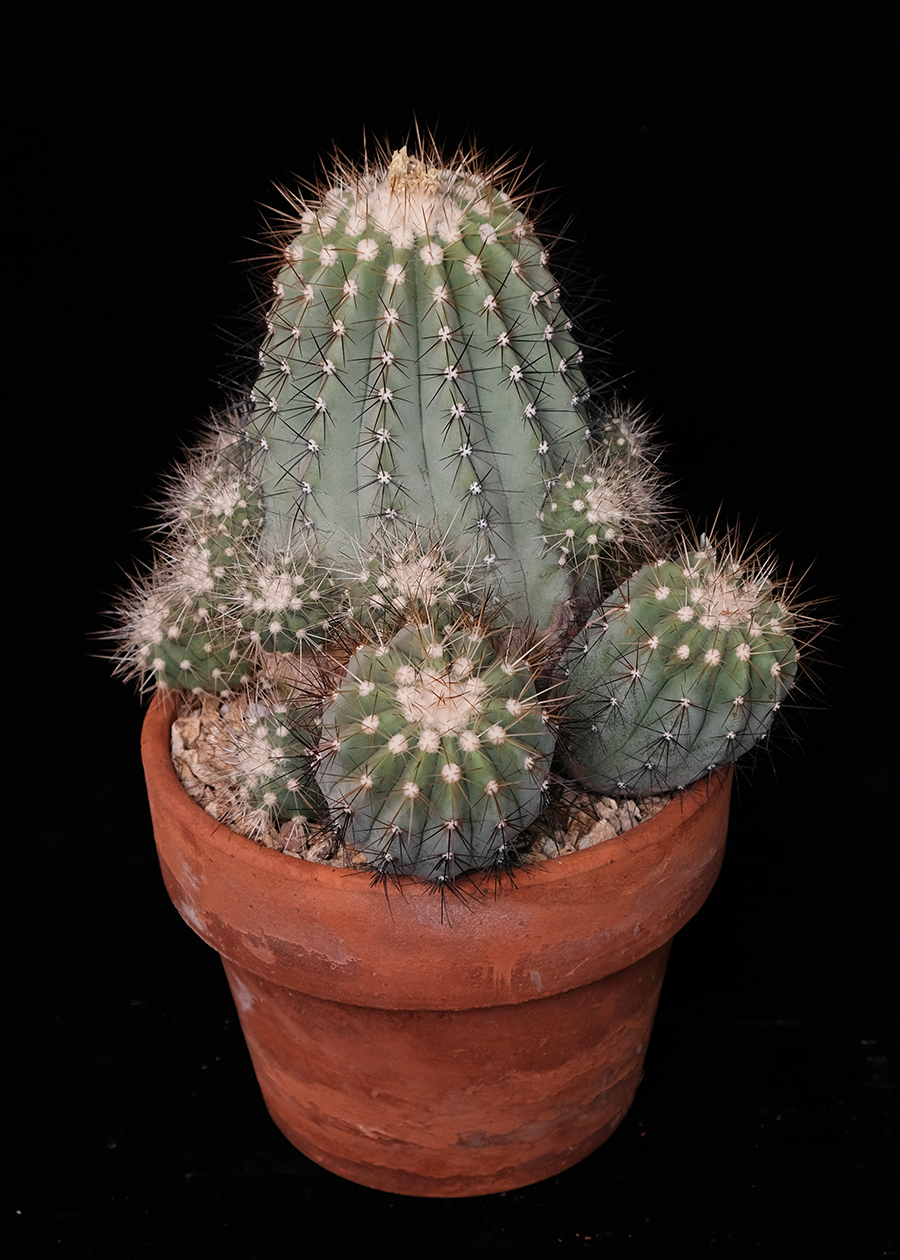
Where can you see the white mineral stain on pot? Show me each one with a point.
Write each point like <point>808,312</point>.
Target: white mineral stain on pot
<point>187,877</point>
<point>243,998</point>
<point>192,917</point>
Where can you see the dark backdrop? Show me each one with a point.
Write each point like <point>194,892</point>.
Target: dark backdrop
<point>725,195</point>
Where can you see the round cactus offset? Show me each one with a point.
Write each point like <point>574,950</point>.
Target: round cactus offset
<point>273,764</point>
<point>184,629</point>
<point>680,672</point>
<point>435,751</point>
<point>405,581</point>
<point>600,513</point>
<point>285,605</point>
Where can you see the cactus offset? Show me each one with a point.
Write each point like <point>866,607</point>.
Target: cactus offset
<point>435,751</point>
<point>272,764</point>
<point>416,522</point>
<point>181,629</point>
<point>604,510</point>
<point>679,672</point>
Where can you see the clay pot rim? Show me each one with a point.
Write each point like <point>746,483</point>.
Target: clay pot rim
<point>232,844</point>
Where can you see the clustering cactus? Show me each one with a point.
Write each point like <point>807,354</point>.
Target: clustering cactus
<point>408,548</point>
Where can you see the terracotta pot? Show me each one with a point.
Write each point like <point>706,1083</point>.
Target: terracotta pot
<point>429,1058</point>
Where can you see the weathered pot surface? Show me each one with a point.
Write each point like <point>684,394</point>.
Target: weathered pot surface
<point>429,1057</point>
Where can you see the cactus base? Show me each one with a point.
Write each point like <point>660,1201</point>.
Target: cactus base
<point>431,1058</point>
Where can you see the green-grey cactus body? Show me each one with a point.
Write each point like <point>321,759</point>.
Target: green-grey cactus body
<point>180,628</point>
<point>435,751</point>
<point>599,512</point>
<point>285,606</point>
<point>272,764</point>
<point>218,599</point>
<point>680,672</point>
<point>419,373</point>
<point>405,582</point>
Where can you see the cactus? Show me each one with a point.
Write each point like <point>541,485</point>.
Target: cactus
<point>427,563</point>
<point>273,765</point>
<point>601,511</point>
<point>436,750</point>
<point>418,370</point>
<point>679,672</point>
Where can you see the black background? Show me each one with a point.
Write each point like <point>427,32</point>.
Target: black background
<point>725,192</point>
